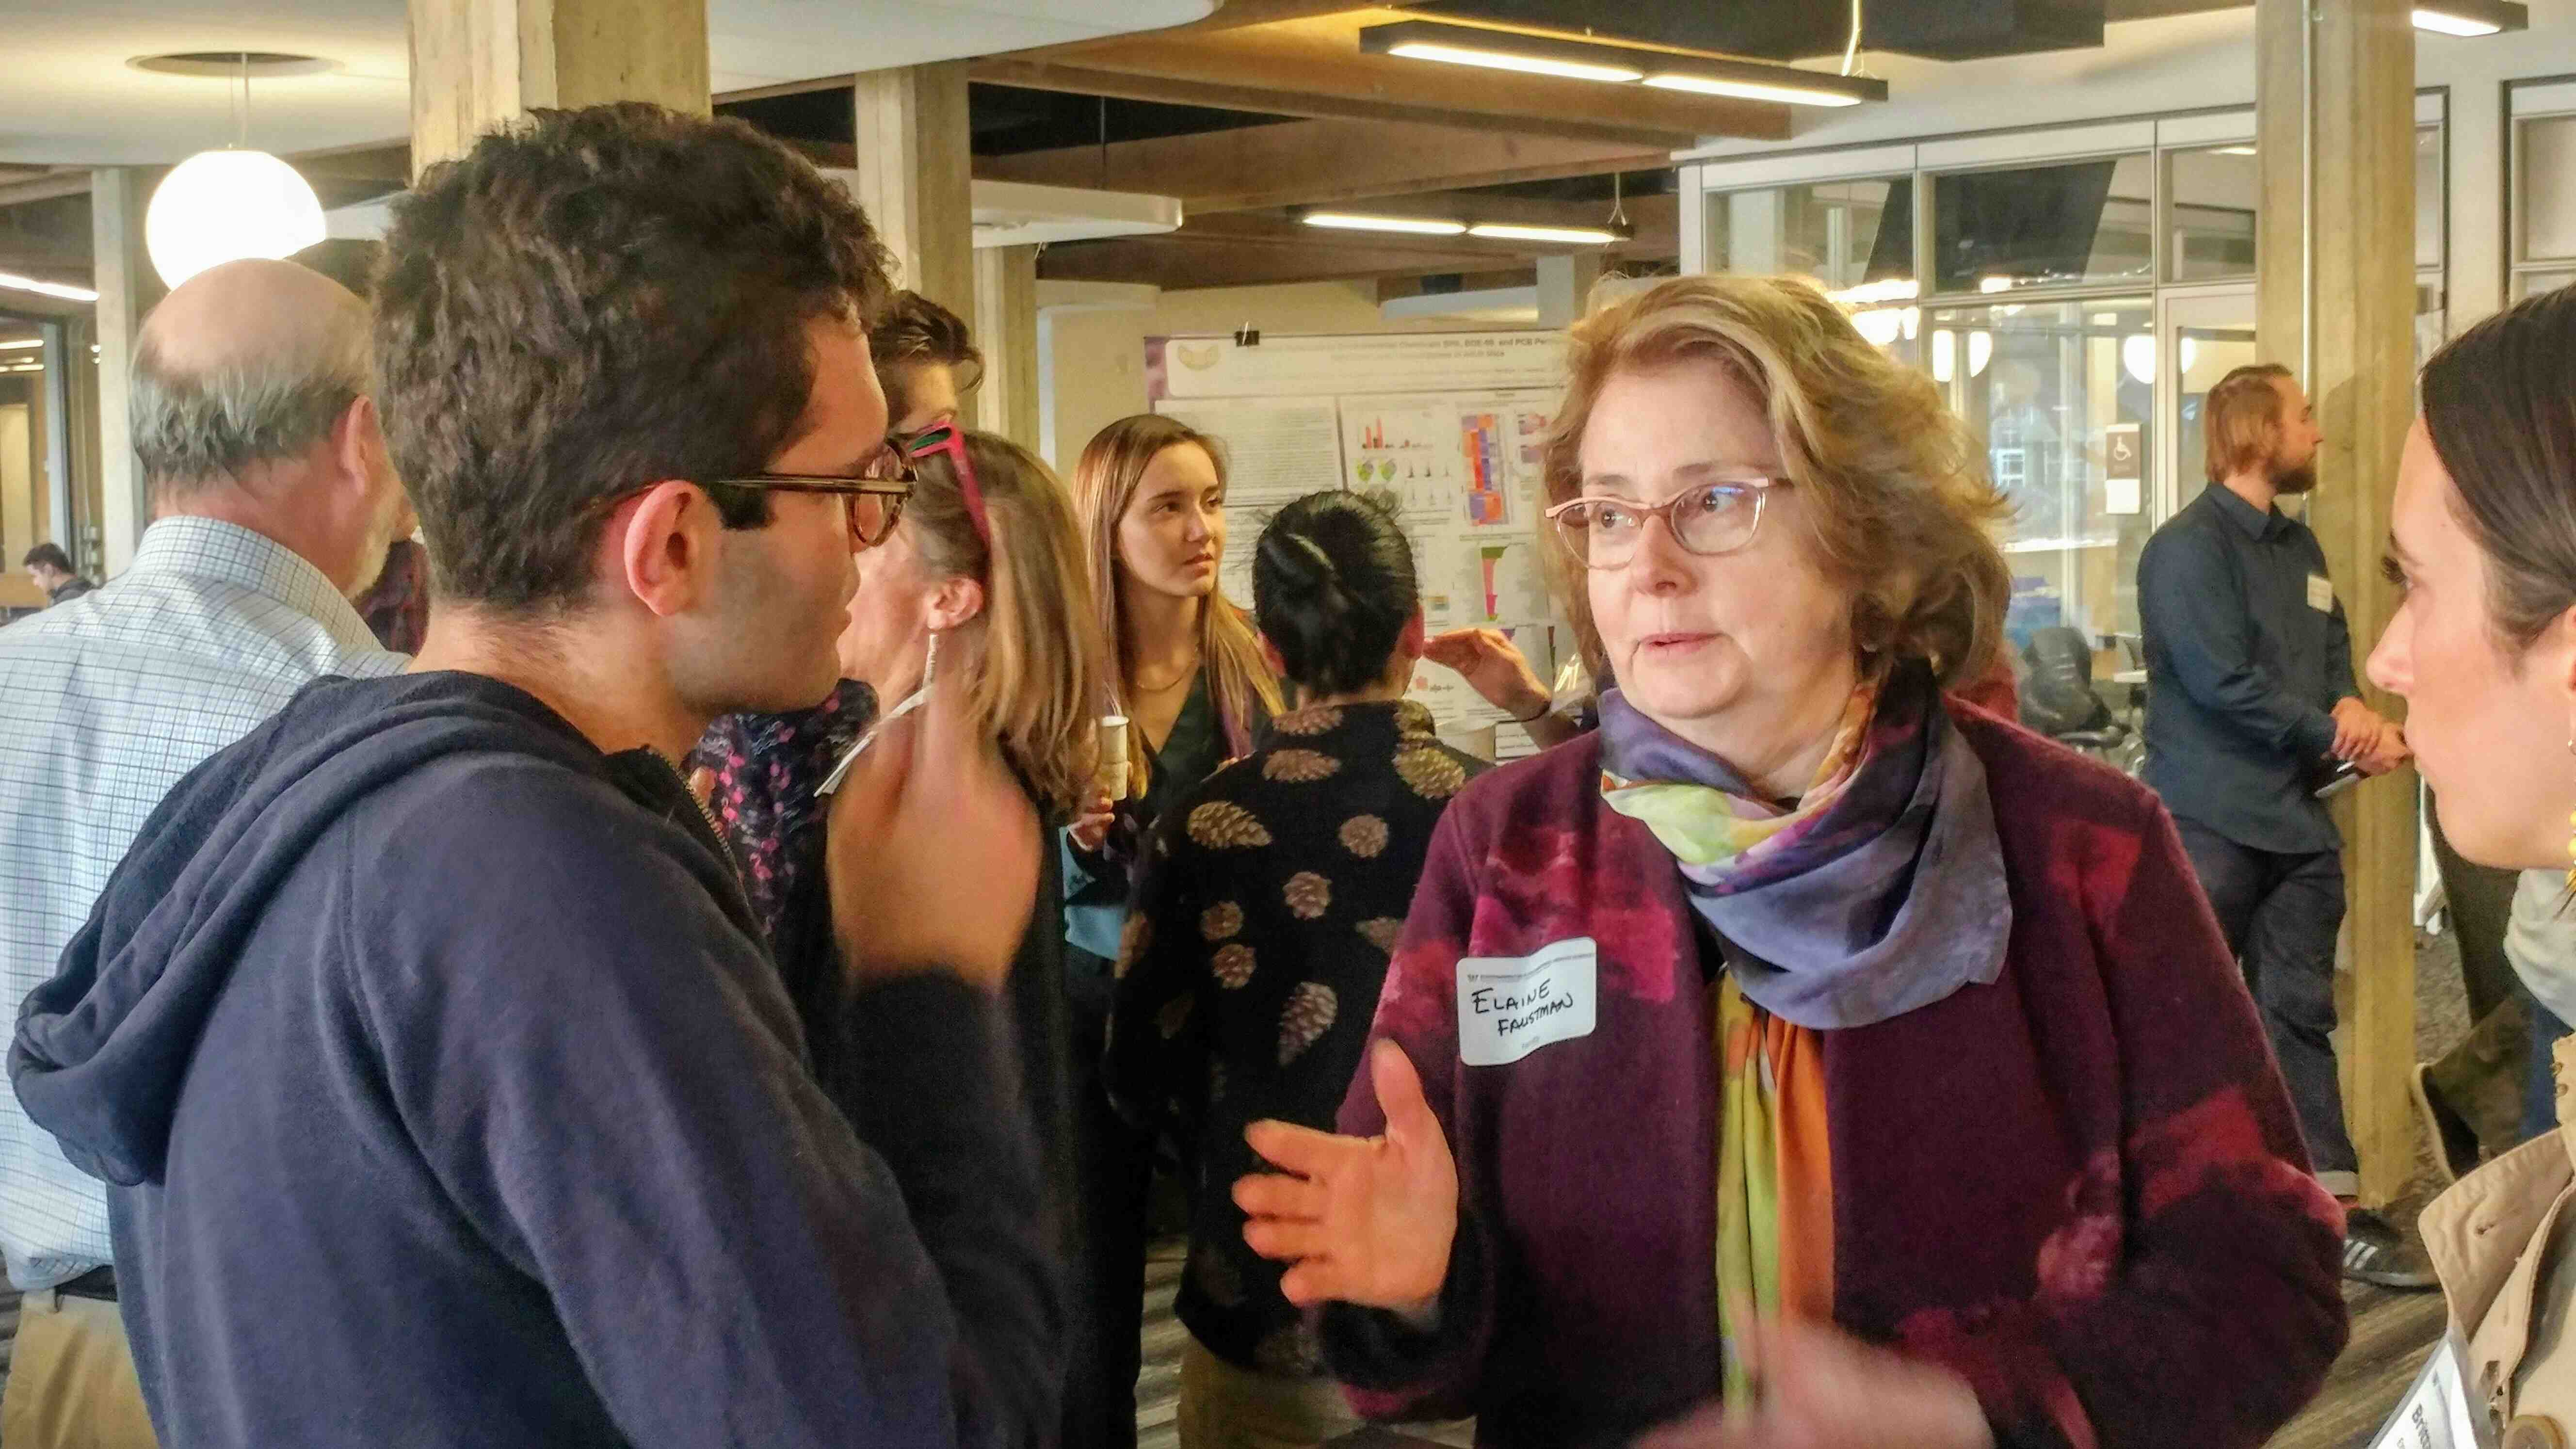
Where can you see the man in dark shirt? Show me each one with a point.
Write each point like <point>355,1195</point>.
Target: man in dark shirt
<point>52,570</point>
<point>445,1093</point>
<point>2251,701</point>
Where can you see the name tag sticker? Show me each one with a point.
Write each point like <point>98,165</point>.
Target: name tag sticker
<point>1510,1006</point>
<point>2320,593</point>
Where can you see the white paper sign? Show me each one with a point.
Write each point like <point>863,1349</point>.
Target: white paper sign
<point>2436,1413</point>
<point>2320,593</point>
<point>1511,1006</point>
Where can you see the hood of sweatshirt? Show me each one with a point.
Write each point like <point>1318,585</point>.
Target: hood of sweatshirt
<point>102,1049</point>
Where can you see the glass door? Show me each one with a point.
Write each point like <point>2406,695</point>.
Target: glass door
<point>2202,336</point>
<point>2062,394</point>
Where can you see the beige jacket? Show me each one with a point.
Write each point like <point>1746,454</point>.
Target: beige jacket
<point>2503,1241</point>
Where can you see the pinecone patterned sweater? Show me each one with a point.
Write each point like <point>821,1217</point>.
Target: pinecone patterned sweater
<point>1250,971</point>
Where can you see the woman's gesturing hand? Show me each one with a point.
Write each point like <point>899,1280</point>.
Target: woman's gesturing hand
<point>1365,1220</point>
<point>1821,1388</point>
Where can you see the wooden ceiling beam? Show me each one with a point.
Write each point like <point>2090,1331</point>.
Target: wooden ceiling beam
<point>1231,95</point>
<point>1315,67</point>
<point>1317,163</point>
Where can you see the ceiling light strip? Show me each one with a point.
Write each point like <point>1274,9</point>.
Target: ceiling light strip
<point>2471,18</point>
<point>1525,64</point>
<point>1594,60</point>
<point>65,291</point>
<point>1407,225</point>
<point>1572,236</point>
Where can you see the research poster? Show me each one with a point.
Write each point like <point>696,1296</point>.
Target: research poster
<point>1446,428</point>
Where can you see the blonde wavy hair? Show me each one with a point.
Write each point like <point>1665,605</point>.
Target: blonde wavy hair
<point>1900,511</point>
<point>1240,683</point>
<point>1035,682</point>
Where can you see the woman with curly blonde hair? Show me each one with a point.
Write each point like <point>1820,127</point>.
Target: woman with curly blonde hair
<point>1801,1058</point>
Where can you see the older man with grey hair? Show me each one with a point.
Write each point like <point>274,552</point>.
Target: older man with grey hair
<point>273,502</point>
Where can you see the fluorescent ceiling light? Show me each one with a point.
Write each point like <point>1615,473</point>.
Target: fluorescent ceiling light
<point>22,344</point>
<point>2471,17</point>
<point>16,283</point>
<point>1842,91</point>
<point>1573,236</point>
<point>2234,151</point>
<point>1409,225</point>
<point>1586,58</point>
<point>1505,60</point>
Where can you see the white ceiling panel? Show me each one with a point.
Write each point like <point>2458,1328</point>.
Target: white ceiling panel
<point>69,97</point>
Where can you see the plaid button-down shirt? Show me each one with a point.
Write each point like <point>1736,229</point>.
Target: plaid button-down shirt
<point>105,701</point>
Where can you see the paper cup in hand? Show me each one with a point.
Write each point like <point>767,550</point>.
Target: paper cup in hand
<point>1109,776</point>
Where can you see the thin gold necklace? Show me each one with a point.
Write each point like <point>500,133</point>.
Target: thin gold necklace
<point>1169,684</point>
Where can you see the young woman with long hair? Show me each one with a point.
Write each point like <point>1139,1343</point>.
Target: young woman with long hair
<point>1187,674</point>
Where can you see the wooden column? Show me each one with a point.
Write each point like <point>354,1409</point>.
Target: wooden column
<point>477,63</point>
<point>914,179</point>
<point>1006,315</point>
<point>2336,122</point>
<point>123,277</point>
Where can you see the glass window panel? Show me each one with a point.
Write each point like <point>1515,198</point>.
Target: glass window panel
<point>2049,386</point>
<point>2546,153</point>
<point>1843,233</point>
<point>2532,284</point>
<point>2039,226</point>
<point>2215,194</point>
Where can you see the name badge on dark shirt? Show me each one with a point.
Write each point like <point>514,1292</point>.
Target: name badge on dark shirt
<point>2320,593</point>
<point>1510,1006</point>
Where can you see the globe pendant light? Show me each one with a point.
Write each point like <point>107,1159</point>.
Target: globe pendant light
<point>220,206</point>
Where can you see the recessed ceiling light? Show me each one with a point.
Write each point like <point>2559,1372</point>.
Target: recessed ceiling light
<point>2471,17</point>
<point>2234,151</point>
<point>234,64</point>
<point>1409,225</point>
<point>1572,236</point>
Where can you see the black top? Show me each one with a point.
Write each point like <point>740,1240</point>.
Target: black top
<point>443,1075</point>
<point>1100,883</point>
<point>2247,655</point>
<point>1253,961</point>
<point>767,768</point>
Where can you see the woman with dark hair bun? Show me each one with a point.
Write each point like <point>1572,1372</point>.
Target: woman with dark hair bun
<point>1260,935</point>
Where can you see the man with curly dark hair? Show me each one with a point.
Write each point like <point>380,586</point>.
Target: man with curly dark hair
<point>444,1092</point>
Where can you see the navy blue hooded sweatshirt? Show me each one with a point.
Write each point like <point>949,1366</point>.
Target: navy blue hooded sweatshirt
<point>446,1099</point>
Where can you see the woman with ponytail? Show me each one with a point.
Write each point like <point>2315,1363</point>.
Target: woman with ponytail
<point>1260,935</point>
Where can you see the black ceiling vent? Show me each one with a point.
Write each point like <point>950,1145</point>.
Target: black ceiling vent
<point>1801,29</point>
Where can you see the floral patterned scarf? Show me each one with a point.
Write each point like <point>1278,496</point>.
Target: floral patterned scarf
<point>1881,890</point>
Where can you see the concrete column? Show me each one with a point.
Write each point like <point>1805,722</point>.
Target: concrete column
<point>123,277</point>
<point>1565,286</point>
<point>477,63</point>
<point>1006,317</point>
<point>2336,302</point>
<point>915,179</point>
